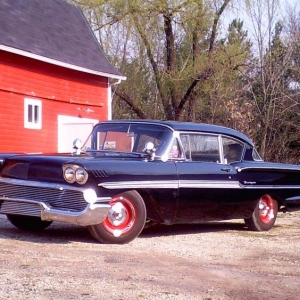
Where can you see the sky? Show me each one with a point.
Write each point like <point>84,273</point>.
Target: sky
<point>240,12</point>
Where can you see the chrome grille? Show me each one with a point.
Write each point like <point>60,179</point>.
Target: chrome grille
<point>57,198</point>
<point>20,208</point>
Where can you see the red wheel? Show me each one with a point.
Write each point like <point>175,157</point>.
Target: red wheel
<point>124,222</point>
<point>266,209</point>
<point>264,215</point>
<point>122,216</point>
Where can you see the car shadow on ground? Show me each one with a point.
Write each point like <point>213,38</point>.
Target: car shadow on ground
<point>56,233</point>
<point>63,233</point>
<point>183,229</point>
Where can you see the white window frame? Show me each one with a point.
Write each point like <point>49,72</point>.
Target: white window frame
<point>36,113</point>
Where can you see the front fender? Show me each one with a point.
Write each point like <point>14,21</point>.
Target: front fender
<point>4,156</point>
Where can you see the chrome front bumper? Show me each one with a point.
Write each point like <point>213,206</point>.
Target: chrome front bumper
<point>51,202</point>
<point>91,215</point>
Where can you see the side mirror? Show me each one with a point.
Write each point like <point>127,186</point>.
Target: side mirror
<point>77,144</point>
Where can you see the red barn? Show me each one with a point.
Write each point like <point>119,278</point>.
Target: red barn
<point>55,81</point>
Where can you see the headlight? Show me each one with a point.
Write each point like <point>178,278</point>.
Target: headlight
<point>74,173</point>
<point>81,176</point>
<point>69,174</point>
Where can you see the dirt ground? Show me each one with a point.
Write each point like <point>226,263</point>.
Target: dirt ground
<point>208,261</point>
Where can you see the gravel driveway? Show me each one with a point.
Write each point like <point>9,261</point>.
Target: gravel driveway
<point>207,261</point>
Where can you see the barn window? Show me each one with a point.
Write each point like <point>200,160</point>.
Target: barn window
<point>32,114</point>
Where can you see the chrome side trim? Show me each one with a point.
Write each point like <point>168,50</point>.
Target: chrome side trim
<point>230,184</point>
<point>155,184</point>
<point>274,187</point>
<point>209,184</point>
<point>170,184</point>
<point>295,198</point>
<point>240,169</point>
<point>91,215</point>
<point>204,184</point>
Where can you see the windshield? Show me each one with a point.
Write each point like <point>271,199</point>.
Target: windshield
<point>128,138</point>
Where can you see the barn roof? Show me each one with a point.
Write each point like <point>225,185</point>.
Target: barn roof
<point>53,31</point>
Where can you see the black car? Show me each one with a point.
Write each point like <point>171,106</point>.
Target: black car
<point>134,173</point>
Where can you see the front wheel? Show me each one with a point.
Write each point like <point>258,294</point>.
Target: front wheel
<point>28,223</point>
<point>124,222</point>
<point>264,215</point>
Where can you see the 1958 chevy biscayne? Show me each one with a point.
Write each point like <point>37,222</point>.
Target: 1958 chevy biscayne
<point>132,173</point>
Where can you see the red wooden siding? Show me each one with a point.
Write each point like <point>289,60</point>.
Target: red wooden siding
<point>62,92</point>
<point>14,137</point>
<point>34,78</point>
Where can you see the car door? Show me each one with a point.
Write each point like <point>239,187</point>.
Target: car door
<point>208,189</point>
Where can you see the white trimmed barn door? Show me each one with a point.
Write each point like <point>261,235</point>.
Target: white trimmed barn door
<point>70,128</point>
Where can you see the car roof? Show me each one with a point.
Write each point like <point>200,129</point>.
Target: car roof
<point>190,126</point>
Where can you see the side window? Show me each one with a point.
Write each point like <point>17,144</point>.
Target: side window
<point>32,113</point>
<point>232,150</point>
<point>201,147</point>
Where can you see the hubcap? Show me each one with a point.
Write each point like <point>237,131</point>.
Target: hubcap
<point>121,217</point>
<point>117,214</point>
<point>266,209</point>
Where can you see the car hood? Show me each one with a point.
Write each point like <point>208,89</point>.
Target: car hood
<point>49,167</point>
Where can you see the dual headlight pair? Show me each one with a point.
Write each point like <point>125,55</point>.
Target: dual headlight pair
<point>74,173</point>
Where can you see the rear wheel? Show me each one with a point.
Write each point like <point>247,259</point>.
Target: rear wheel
<point>264,215</point>
<point>124,222</point>
<point>28,223</point>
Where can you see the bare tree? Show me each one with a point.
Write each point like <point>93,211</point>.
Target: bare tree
<point>171,42</point>
<point>269,81</point>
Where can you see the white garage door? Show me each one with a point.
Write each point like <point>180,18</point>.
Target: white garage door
<point>70,128</point>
